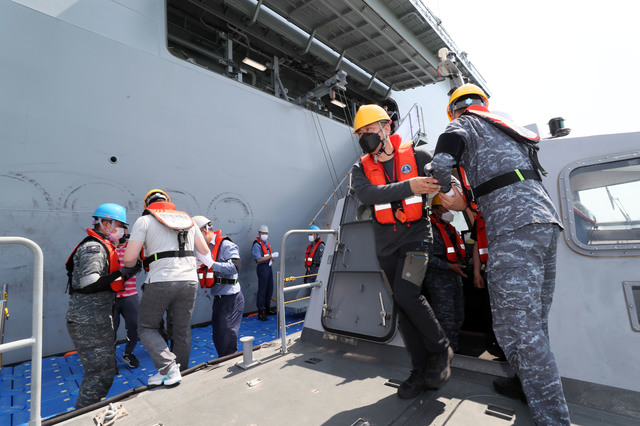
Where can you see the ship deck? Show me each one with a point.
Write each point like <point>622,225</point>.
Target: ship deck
<point>316,385</point>
<point>312,384</point>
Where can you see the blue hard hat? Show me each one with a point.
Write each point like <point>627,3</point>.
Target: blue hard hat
<point>315,228</point>
<point>112,211</point>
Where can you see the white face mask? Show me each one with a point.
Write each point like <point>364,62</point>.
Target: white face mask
<point>264,237</point>
<point>447,217</point>
<point>312,238</point>
<point>115,234</point>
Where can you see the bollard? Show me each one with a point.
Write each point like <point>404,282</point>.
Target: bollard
<point>247,353</point>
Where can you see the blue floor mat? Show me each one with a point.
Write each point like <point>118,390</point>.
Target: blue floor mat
<point>61,375</point>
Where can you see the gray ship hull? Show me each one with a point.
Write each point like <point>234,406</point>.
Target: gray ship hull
<point>94,120</point>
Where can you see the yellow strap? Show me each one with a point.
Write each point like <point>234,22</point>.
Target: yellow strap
<point>519,174</point>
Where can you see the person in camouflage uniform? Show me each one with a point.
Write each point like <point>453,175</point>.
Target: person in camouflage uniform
<point>94,277</point>
<point>522,228</point>
<point>443,281</point>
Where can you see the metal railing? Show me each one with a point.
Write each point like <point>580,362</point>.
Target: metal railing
<point>282,326</point>
<point>338,192</point>
<point>35,341</point>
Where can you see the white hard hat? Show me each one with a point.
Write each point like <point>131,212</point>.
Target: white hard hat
<point>263,228</point>
<point>200,221</point>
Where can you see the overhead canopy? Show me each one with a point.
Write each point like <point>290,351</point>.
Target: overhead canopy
<point>396,41</point>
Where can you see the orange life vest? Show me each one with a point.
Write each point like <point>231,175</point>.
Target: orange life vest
<point>207,276</point>
<point>481,238</point>
<point>112,254</point>
<point>266,249</point>
<point>478,223</point>
<point>404,161</point>
<point>452,251</point>
<point>512,129</point>
<point>311,252</point>
<point>167,214</point>
<point>181,222</point>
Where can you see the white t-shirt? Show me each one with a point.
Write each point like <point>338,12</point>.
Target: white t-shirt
<point>158,238</point>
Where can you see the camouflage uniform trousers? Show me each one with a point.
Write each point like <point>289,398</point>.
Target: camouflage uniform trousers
<point>521,276</point>
<point>447,301</point>
<point>96,350</point>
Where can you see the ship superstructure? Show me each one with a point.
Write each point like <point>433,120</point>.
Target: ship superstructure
<point>103,101</point>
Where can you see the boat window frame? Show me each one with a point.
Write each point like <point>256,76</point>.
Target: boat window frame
<point>567,208</point>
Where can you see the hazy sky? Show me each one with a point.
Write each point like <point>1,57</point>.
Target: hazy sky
<point>543,59</point>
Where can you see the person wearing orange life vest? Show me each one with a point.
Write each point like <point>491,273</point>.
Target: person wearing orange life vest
<point>127,304</point>
<point>390,177</point>
<point>522,228</point>
<point>264,256</point>
<point>171,243</point>
<point>313,255</point>
<point>95,274</point>
<point>222,278</point>
<point>443,281</point>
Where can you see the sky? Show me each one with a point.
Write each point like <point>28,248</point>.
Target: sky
<point>543,59</point>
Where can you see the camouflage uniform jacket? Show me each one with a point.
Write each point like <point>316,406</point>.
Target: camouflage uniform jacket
<point>90,261</point>
<point>488,152</point>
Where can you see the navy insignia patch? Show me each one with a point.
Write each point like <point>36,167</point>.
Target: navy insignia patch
<point>405,169</point>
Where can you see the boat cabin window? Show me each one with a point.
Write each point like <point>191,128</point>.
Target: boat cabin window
<point>603,206</point>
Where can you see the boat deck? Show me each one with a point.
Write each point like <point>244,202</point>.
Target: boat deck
<point>61,375</point>
<point>313,385</point>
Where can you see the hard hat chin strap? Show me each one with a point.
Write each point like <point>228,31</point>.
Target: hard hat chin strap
<point>384,144</point>
<point>101,221</point>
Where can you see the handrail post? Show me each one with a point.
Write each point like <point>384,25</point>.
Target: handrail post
<point>36,339</point>
<point>281,277</point>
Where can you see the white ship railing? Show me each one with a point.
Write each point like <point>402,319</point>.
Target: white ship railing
<point>35,341</point>
<point>282,325</point>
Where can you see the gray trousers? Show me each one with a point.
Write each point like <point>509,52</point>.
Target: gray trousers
<point>177,297</point>
<point>521,275</point>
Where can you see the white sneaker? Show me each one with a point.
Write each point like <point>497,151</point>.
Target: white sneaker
<point>171,378</point>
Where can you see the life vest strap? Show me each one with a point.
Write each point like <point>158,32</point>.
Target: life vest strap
<point>166,254</point>
<point>504,180</point>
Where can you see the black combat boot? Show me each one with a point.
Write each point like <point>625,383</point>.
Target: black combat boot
<point>440,370</point>
<point>511,387</point>
<point>413,386</point>
<point>262,316</point>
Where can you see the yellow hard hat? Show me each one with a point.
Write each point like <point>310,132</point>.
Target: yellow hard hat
<point>368,114</point>
<point>436,200</point>
<point>465,90</point>
<point>155,194</point>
